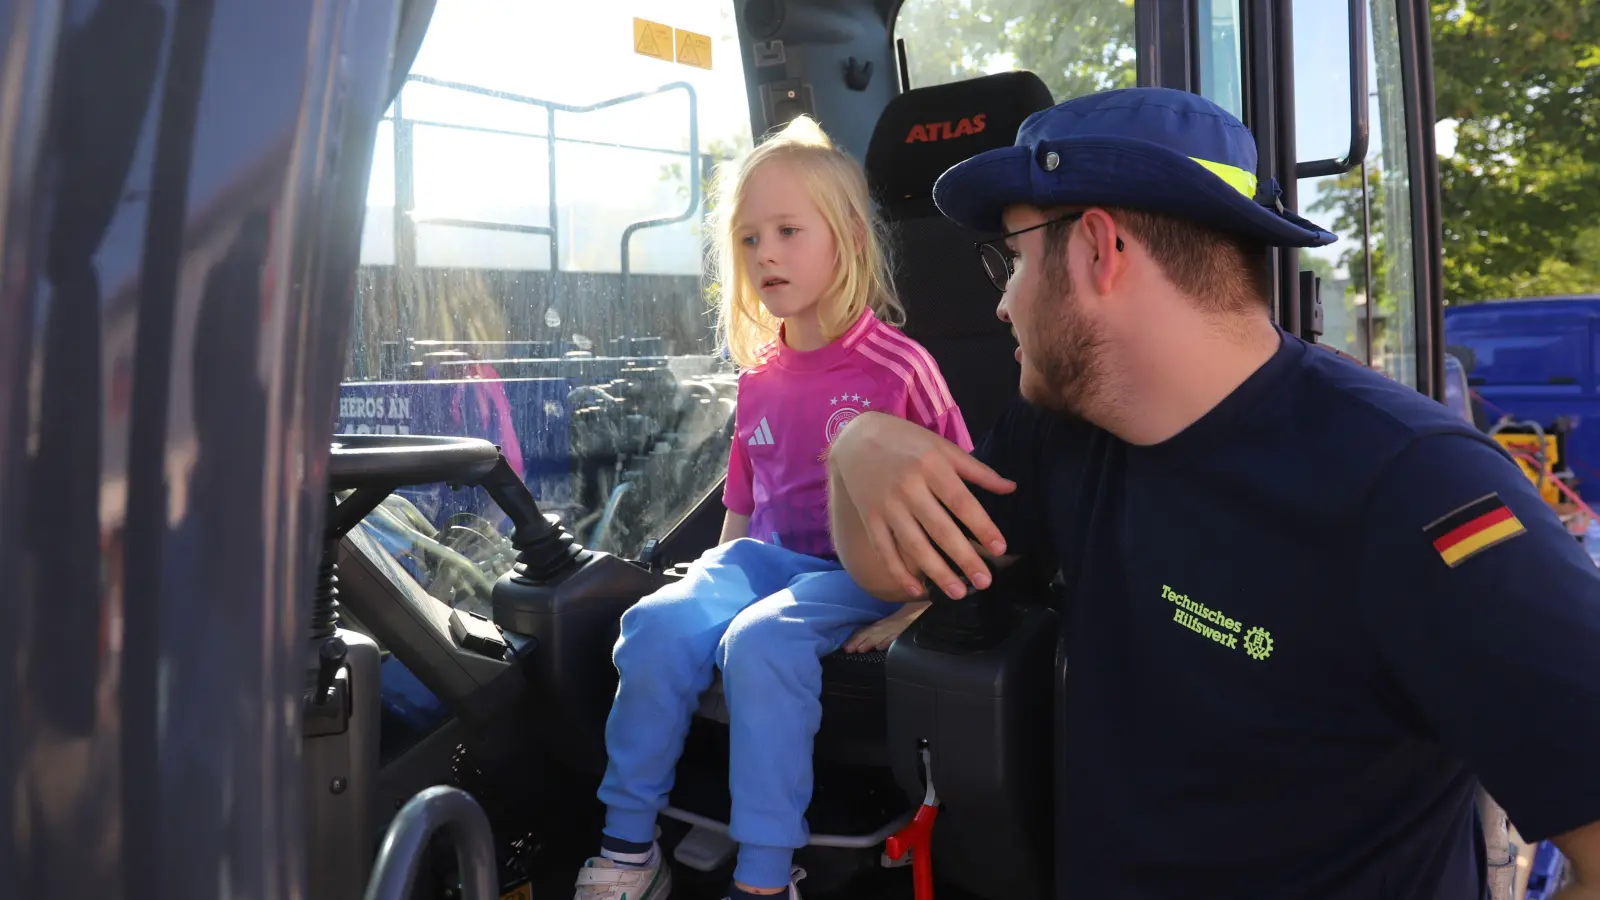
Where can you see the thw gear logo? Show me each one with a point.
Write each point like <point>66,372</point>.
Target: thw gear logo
<point>1258,643</point>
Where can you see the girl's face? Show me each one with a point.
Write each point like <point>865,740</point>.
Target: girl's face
<point>789,251</point>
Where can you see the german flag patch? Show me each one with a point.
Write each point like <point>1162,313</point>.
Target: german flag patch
<point>1472,529</point>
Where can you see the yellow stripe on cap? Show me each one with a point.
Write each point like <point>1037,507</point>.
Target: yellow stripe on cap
<point>1236,178</point>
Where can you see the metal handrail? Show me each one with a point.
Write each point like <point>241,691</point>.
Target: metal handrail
<point>432,809</point>
<point>551,108</point>
<point>1359,114</point>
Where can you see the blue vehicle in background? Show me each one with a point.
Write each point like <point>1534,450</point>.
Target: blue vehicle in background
<point>1535,360</point>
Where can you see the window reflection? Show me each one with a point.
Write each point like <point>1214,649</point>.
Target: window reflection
<point>531,263</point>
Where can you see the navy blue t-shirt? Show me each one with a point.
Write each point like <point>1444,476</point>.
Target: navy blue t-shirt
<point>1298,635</point>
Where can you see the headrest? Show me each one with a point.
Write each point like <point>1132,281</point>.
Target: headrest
<point>924,132</point>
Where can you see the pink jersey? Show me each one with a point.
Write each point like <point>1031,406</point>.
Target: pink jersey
<point>793,405</point>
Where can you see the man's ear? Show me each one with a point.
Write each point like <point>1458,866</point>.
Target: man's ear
<point>1109,260</point>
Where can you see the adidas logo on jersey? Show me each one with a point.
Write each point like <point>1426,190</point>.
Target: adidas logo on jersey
<point>763,435</point>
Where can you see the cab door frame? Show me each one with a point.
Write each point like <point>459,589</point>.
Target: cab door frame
<point>1416,60</point>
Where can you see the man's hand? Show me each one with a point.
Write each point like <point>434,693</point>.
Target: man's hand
<point>880,634</point>
<point>904,482</point>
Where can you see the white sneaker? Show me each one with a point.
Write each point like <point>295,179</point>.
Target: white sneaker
<point>604,879</point>
<point>796,875</point>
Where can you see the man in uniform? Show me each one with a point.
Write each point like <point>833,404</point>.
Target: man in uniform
<point>1310,609</point>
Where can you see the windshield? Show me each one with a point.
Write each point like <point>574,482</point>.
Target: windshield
<point>531,264</point>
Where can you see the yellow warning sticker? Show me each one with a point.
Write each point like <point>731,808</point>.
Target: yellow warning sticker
<point>652,39</point>
<point>693,49</point>
<point>523,891</point>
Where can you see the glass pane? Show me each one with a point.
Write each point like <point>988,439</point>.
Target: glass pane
<point>1374,226</point>
<point>1336,203</point>
<point>1075,46</point>
<point>1394,341</point>
<point>1322,71</point>
<point>1322,82</point>
<point>377,231</point>
<point>1321,79</point>
<point>1221,62</point>
<point>532,272</point>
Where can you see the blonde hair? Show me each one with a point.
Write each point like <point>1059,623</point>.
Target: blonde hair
<point>838,187</point>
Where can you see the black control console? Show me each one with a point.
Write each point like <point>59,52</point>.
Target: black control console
<point>561,611</point>
<point>973,681</point>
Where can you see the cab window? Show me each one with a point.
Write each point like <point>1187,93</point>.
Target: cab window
<point>1075,46</point>
<point>531,262</point>
<point>1369,299</point>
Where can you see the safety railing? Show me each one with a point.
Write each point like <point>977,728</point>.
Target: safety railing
<point>432,810</point>
<point>405,175</point>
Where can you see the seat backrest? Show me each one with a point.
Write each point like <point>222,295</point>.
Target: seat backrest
<point>949,300</point>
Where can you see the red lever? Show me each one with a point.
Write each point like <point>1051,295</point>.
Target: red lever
<point>917,838</point>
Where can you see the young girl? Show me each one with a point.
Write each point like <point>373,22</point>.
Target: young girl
<point>804,302</point>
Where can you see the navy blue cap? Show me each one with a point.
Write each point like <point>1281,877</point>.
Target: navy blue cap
<point>1153,149</point>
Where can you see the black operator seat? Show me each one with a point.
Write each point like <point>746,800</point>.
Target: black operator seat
<point>973,682</point>
<point>950,303</point>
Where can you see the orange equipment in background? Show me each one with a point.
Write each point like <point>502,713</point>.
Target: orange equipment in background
<point>1542,455</point>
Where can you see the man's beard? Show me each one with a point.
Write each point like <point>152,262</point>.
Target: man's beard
<point>1069,360</point>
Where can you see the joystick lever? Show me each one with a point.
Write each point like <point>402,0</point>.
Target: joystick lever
<point>330,659</point>
<point>970,625</point>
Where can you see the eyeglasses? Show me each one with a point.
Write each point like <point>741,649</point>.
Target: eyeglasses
<point>999,259</point>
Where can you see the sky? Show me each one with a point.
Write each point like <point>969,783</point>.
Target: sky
<point>578,53</point>
<point>1322,101</point>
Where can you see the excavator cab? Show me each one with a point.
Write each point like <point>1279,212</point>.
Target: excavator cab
<point>464,239</point>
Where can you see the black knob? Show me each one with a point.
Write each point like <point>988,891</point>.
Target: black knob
<point>330,659</point>
<point>969,625</point>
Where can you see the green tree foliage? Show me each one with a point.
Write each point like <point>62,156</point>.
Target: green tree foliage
<point>1521,194</point>
<point>1076,47</point>
<point>1317,264</point>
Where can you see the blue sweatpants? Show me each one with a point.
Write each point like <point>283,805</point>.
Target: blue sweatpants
<point>765,616</point>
